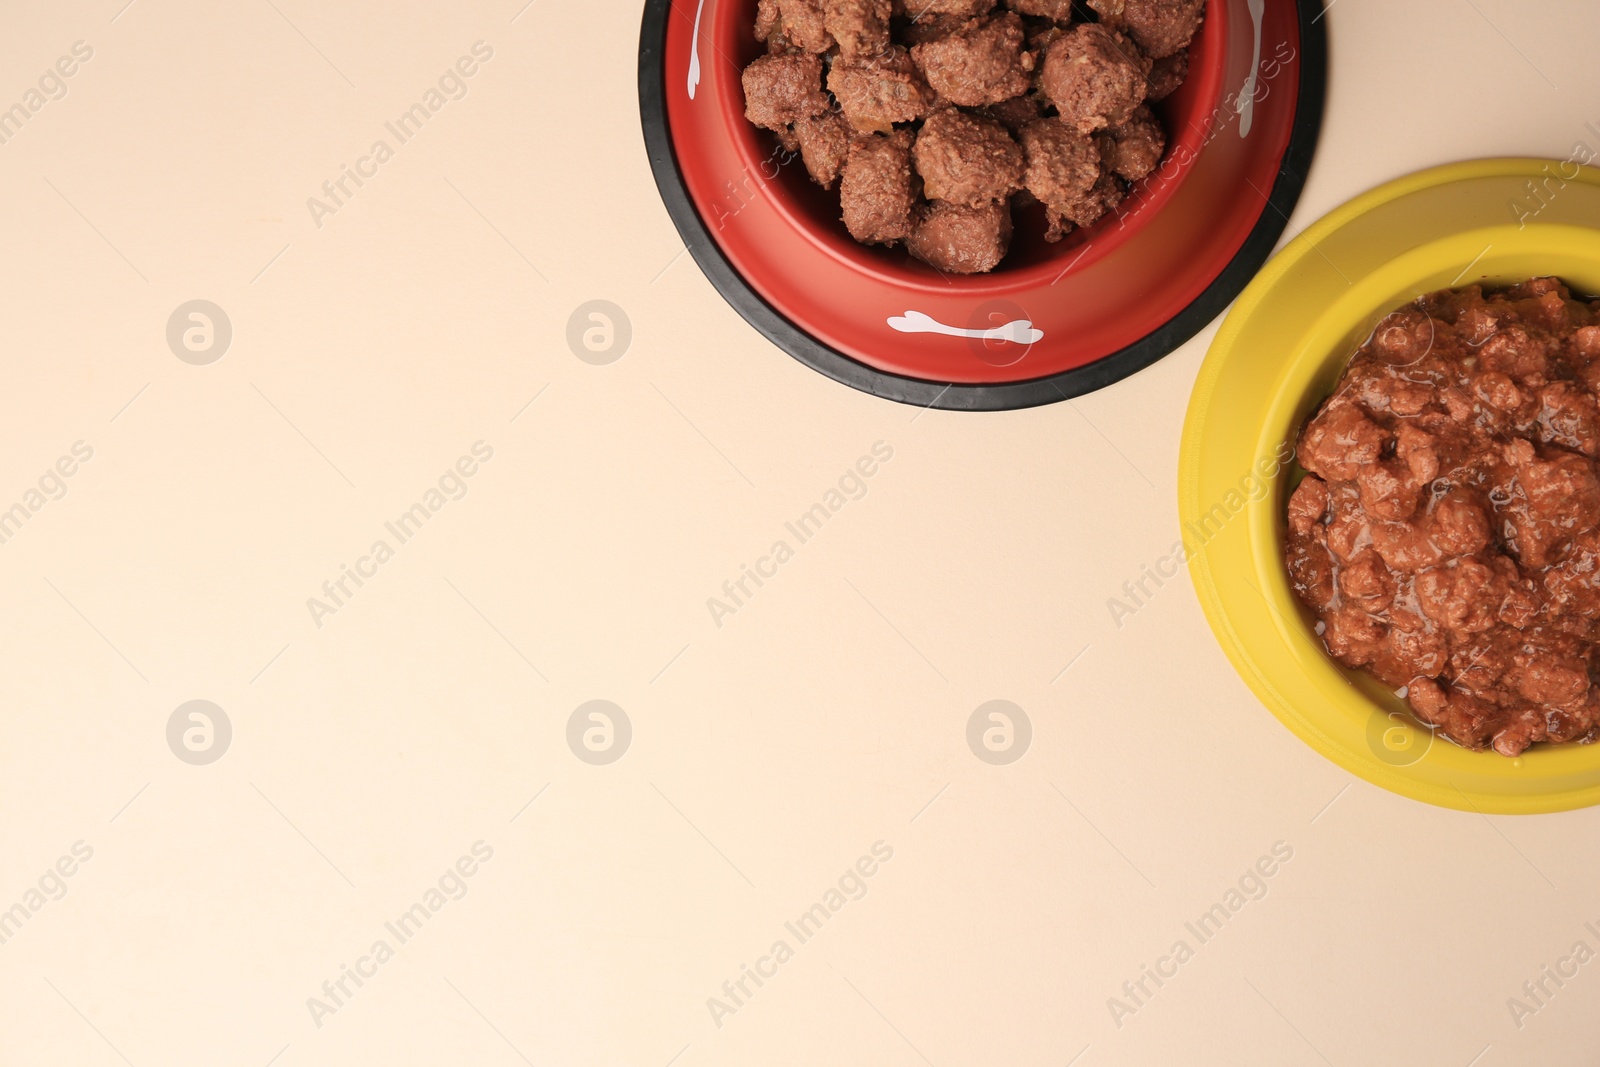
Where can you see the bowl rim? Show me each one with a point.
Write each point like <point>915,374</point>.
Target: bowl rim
<point>1258,245</point>
<point>1325,683</point>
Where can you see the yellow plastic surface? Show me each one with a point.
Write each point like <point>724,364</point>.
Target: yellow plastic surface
<point>1276,357</point>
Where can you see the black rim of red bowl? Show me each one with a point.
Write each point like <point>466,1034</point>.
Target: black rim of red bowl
<point>995,396</point>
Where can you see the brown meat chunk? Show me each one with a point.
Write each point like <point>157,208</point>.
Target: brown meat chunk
<point>1159,27</point>
<point>1553,498</point>
<point>960,239</point>
<point>1352,635</point>
<point>1062,164</point>
<point>1458,525</point>
<point>1088,209</point>
<point>1134,148</point>
<point>1350,530</point>
<point>860,26</point>
<point>1367,583</point>
<point>1388,492</point>
<point>1449,595</point>
<point>876,92</point>
<point>1586,345</point>
<point>1404,337</point>
<point>779,90</point>
<point>1167,74</point>
<point>1058,10</point>
<point>1308,505</point>
<point>1552,679</point>
<point>768,15</point>
<point>917,10</point>
<point>1567,416</point>
<point>1341,441</point>
<point>824,143</point>
<point>1084,210</point>
<point>967,160</point>
<point>1095,77</point>
<point>803,22</point>
<point>1534,287</point>
<point>877,188</point>
<point>1311,568</point>
<point>1515,352</point>
<point>980,63</point>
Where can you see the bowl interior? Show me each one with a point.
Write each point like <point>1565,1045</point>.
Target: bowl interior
<point>1276,358</point>
<point>1185,115</point>
<point>1094,308</point>
<point>1314,369</point>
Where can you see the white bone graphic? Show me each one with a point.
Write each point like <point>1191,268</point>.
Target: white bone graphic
<point>1020,332</point>
<point>694,52</point>
<point>1247,96</point>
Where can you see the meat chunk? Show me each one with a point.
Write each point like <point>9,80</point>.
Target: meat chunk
<point>982,62</point>
<point>1458,525</point>
<point>967,160</point>
<point>960,239</point>
<point>779,90</point>
<point>803,23</point>
<point>1497,390</point>
<point>788,142</point>
<point>1350,530</point>
<point>1134,148</point>
<point>1567,417</point>
<point>1095,77</point>
<point>875,92</point>
<point>1534,287</point>
<point>779,45</point>
<point>1341,441</point>
<point>1586,344</point>
<point>1405,548</point>
<point>1353,635</point>
<point>1085,210</point>
<point>1062,164</point>
<point>1388,492</point>
<point>917,10</point>
<point>1159,27</point>
<point>1056,10</point>
<point>876,188</point>
<point>1514,352</point>
<point>1449,595</point>
<point>1559,495</point>
<point>1311,570</point>
<point>1367,583</point>
<point>824,142</point>
<point>1308,505</point>
<point>861,27</point>
<point>1549,678</point>
<point>1167,74</point>
<point>768,16</point>
<point>1404,337</point>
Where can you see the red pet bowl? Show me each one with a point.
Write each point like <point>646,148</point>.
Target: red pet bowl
<point>1052,321</point>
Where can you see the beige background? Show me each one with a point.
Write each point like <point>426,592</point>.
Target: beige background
<point>828,714</point>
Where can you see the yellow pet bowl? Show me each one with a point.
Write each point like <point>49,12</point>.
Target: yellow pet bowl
<point>1278,355</point>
